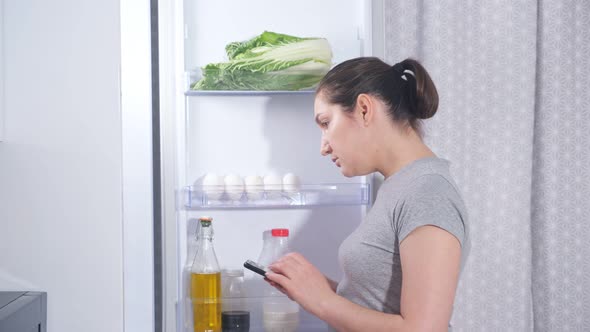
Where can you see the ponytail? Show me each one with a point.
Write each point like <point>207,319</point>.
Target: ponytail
<point>423,97</point>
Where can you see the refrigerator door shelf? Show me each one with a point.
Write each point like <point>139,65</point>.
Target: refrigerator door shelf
<point>199,197</point>
<point>226,93</point>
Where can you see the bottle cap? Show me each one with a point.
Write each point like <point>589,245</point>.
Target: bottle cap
<point>280,232</point>
<point>205,221</point>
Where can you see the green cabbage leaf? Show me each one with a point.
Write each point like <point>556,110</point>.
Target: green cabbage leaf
<point>270,61</point>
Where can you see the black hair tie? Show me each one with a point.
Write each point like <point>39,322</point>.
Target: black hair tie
<point>398,68</point>
<point>408,85</point>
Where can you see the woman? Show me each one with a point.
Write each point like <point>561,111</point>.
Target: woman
<point>402,264</point>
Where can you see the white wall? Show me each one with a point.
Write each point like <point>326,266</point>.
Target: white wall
<point>60,161</point>
<point>1,71</point>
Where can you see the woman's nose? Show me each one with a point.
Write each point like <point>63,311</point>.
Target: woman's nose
<point>325,148</point>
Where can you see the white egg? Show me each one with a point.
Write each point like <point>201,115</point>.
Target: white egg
<point>234,186</point>
<point>213,186</point>
<point>291,182</point>
<point>212,179</point>
<point>253,182</point>
<point>254,187</point>
<point>233,180</point>
<point>273,182</point>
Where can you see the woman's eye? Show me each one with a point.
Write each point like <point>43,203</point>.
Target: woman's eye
<point>324,124</point>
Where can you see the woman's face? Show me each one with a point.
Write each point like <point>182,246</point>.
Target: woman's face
<point>342,137</point>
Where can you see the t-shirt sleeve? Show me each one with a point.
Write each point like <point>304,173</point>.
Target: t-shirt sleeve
<point>431,200</point>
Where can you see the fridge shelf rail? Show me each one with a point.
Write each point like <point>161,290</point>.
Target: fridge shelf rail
<point>214,197</point>
<point>226,93</point>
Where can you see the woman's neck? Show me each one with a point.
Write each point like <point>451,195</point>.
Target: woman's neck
<point>405,148</point>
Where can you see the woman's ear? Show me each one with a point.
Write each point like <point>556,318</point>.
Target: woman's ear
<point>365,106</point>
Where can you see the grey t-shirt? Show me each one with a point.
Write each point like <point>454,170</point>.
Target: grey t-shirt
<point>421,193</point>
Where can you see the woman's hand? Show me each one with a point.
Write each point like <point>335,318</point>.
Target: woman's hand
<point>295,276</point>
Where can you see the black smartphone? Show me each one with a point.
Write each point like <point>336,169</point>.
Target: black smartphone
<point>253,266</point>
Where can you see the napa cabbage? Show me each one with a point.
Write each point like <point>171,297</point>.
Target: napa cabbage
<point>270,61</point>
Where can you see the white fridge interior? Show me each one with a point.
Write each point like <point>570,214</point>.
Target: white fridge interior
<point>258,133</point>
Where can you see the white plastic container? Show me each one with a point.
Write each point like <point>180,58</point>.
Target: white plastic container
<point>279,313</point>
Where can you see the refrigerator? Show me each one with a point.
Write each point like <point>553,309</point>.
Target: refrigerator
<point>251,133</point>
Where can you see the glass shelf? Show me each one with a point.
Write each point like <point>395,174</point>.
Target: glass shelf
<point>248,93</point>
<point>211,197</point>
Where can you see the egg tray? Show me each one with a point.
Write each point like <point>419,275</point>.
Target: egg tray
<point>214,197</point>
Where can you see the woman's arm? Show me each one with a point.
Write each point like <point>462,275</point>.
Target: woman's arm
<point>430,259</point>
<point>333,284</point>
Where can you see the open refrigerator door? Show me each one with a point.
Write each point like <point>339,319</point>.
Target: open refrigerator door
<point>245,154</point>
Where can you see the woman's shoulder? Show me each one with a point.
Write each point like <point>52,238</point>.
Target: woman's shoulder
<point>431,199</point>
<point>431,184</point>
<point>425,175</point>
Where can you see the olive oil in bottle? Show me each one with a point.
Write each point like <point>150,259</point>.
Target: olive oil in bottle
<point>206,282</point>
<point>206,298</point>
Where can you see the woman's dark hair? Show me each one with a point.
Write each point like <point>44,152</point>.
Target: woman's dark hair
<point>405,87</point>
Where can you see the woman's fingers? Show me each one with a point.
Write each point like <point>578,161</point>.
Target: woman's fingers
<point>275,285</point>
<point>286,266</point>
<point>291,258</point>
<point>296,257</point>
<point>278,280</point>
